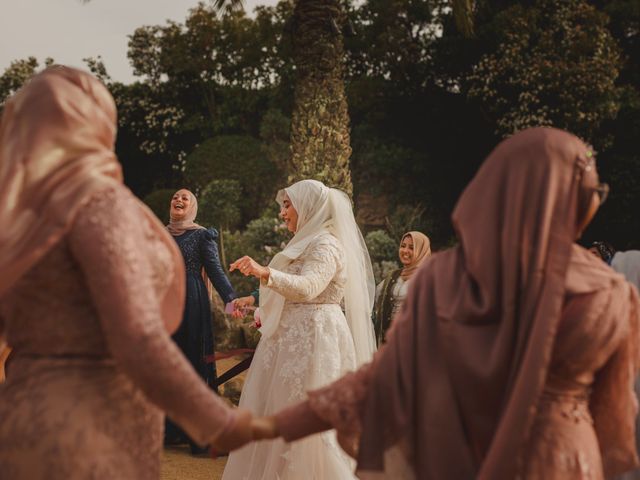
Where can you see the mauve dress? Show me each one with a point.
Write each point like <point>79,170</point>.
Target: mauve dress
<point>93,367</point>
<point>594,354</point>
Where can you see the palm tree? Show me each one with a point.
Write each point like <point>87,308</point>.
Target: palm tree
<point>320,138</point>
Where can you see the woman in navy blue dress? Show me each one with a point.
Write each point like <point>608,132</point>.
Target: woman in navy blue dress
<point>200,251</point>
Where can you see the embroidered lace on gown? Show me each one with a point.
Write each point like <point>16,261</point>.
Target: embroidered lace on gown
<point>312,347</point>
<point>94,366</point>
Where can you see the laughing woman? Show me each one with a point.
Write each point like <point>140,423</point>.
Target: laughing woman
<point>200,252</point>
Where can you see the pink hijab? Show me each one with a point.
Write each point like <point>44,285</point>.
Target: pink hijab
<point>178,227</point>
<point>57,136</point>
<point>458,382</point>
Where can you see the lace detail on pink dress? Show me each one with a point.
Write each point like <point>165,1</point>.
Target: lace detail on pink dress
<point>93,360</point>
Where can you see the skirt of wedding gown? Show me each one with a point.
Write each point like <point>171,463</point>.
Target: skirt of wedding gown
<point>311,348</point>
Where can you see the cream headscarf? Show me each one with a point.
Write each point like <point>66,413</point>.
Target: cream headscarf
<point>327,210</point>
<point>57,136</point>
<point>421,250</point>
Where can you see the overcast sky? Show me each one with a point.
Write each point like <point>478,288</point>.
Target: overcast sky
<point>68,30</point>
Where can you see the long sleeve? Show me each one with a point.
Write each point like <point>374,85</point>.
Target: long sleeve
<point>113,248</point>
<point>319,267</point>
<point>613,402</point>
<point>215,272</point>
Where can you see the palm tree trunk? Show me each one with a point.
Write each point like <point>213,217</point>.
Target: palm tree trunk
<point>320,140</point>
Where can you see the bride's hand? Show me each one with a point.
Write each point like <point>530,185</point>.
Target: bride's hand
<point>240,306</point>
<point>264,428</point>
<point>248,266</point>
<point>240,434</point>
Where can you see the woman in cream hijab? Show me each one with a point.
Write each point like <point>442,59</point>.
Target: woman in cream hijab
<point>415,248</point>
<point>307,341</point>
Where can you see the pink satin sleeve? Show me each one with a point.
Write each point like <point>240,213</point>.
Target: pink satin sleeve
<point>109,243</point>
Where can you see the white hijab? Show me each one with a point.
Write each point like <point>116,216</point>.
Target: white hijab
<point>327,210</point>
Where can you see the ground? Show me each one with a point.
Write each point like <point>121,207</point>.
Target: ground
<point>179,464</point>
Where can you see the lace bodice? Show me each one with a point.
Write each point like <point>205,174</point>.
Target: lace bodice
<point>316,276</point>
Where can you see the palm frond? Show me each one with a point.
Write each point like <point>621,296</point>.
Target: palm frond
<point>227,5</point>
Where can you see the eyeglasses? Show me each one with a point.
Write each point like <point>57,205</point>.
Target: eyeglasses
<point>585,165</point>
<point>602,190</point>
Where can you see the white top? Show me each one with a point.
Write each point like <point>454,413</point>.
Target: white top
<point>628,264</point>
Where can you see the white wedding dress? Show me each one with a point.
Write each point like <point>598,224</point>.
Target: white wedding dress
<point>311,347</point>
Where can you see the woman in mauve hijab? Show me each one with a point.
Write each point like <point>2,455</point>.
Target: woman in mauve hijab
<point>515,353</point>
<point>92,285</point>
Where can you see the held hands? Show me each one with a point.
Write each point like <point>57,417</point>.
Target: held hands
<point>240,434</point>
<point>242,305</point>
<point>248,266</point>
<point>246,429</point>
<point>264,428</point>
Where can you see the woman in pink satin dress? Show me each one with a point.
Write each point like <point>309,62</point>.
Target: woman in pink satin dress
<point>515,354</point>
<point>91,287</point>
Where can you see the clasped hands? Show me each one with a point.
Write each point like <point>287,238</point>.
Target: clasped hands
<point>246,428</point>
<point>248,267</point>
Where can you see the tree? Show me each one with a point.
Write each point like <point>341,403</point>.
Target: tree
<point>18,72</point>
<point>320,139</point>
<point>556,64</point>
<point>240,158</point>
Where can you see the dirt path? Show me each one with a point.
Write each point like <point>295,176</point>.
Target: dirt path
<point>179,464</point>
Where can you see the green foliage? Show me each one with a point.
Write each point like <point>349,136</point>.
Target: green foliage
<point>239,158</point>
<point>416,137</point>
<point>218,204</point>
<point>262,239</point>
<point>16,74</point>
<point>274,133</point>
<point>383,250</point>
<point>381,246</point>
<point>556,64</point>
<point>159,203</point>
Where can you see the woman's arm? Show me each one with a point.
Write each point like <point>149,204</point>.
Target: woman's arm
<point>109,242</point>
<point>320,264</point>
<point>211,262</point>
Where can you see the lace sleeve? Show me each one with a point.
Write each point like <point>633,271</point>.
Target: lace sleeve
<point>338,406</point>
<point>613,402</point>
<point>109,242</point>
<point>320,264</point>
<point>211,262</point>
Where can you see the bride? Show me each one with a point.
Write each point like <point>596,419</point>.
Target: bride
<point>307,340</point>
